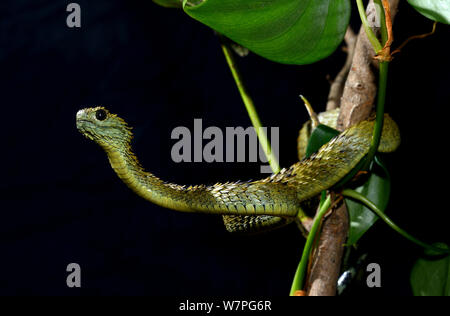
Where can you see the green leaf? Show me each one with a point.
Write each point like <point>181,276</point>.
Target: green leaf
<point>430,276</point>
<point>436,10</point>
<point>285,31</point>
<point>377,189</point>
<point>321,135</point>
<point>169,3</point>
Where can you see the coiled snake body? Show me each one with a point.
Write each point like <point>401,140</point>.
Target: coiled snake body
<point>246,206</point>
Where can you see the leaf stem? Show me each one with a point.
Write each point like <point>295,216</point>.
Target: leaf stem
<point>370,34</point>
<point>362,199</point>
<point>249,105</point>
<point>300,274</point>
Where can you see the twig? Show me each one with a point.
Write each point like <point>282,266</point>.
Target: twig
<point>398,50</point>
<point>337,87</point>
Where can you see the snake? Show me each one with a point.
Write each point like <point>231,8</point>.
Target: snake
<point>246,207</point>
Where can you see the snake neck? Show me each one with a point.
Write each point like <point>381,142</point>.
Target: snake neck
<point>233,198</point>
<point>144,183</point>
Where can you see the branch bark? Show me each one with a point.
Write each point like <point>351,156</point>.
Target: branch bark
<point>357,102</point>
<point>360,88</point>
<point>337,87</point>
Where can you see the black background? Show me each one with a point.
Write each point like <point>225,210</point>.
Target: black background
<point>159,69</point>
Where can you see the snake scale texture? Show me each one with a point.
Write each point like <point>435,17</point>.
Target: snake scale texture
<point>246,206</point>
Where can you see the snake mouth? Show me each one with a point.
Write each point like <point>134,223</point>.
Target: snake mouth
<point>82,124</point>
<point>84,127</point>
<point>82,121</point>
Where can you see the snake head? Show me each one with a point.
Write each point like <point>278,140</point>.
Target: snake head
<point>106,129</point>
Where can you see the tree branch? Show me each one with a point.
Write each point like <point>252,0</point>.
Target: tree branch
<point>360,88</point>
<point>337,87</point>
<point>357,102</point>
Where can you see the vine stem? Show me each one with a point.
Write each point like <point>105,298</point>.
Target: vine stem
<point>300,274</point>
<point>249,105</point>
<point>379,120</point>
<point>352,194</point>
<point>386,32</point>
<point>370,34</point>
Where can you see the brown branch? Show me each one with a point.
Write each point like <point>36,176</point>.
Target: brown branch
<point>337,87</point>
<point>360,88</point>
<point>326,262</point>
<point>357,103</point>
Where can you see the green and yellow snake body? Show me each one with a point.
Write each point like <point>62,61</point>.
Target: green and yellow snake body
<point>246,206</point>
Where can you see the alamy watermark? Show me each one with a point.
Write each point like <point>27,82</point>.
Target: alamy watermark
<point>73,279</point>
<point>374,278</point>
<point>74,17</point>
<point>236,144</point>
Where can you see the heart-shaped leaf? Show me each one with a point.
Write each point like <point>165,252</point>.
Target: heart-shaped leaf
<point>436,10</point>
<point>377,189</point>
<point>285,31</point>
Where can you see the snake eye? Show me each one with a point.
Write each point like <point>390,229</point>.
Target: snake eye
<point>100,115</point>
